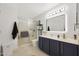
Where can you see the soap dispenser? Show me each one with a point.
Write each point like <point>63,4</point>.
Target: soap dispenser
<point>58,36</point>
<point>75,36</point>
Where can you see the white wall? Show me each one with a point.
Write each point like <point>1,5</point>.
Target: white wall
<point>8,14</point>
<point>42,19</point>
<point>26,23</point>
<point>23,26</point>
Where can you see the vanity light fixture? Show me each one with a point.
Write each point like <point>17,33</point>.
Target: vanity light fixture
<point>58,11</point>
<point>52,13</point>
<point>62,9</point>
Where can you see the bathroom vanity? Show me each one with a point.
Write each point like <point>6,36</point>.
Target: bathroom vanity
<point>60,37</point>
<point>54,47</point>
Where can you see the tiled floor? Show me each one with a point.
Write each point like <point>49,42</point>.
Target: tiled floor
<point>28,50</point>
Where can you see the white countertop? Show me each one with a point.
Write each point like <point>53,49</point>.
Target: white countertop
<point>68,40</point>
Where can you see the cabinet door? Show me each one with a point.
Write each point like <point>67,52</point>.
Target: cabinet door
<point>40,43</point>
<point>78,50</point>
<point>54,48</point>
<point>61,48</point>
<point>46,45</point>
<point>69,49</point>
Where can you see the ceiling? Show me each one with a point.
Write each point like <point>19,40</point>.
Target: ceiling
<point>30,10</point>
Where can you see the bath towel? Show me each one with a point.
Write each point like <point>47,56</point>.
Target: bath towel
<point>14,31</point>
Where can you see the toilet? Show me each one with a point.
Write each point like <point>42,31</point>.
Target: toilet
<point>35,43</point>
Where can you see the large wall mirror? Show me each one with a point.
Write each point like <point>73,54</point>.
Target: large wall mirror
<point>57,23</point>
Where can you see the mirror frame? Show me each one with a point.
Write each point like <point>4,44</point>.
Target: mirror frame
<point>66,27</point>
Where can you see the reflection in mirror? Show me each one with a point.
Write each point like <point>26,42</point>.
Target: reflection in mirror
<point>56,23</point>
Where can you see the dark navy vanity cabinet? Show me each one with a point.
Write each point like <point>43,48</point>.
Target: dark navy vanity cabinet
<point>46,45</point>
<point>40,43</point>
<point>69,49</point>
<point>54,48</point>
<point>78,50</point>
<point>58,48</point>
